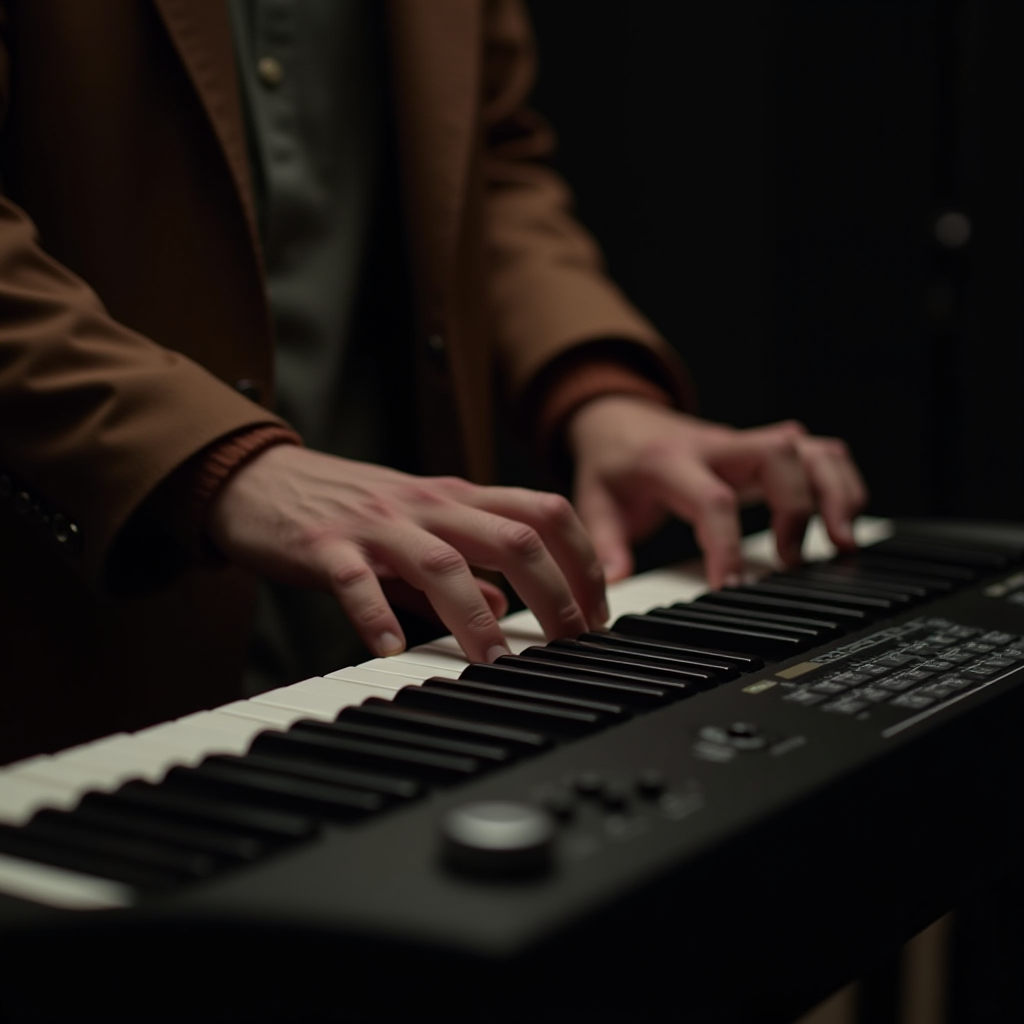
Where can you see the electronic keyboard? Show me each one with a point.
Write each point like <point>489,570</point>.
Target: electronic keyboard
<point>717,810</point>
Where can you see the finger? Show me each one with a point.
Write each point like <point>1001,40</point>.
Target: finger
<point>358,591</point>
<point>789,495</point>
<point>517,550</point>
<point>600,514</point>
<point>441,571</point>
<point>566,556</point>
<point>839,486</point>
<point>403,595</point>
<point>694,493</point>
<point>494,596</point>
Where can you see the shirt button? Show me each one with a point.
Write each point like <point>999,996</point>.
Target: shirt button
<point>270,71</point>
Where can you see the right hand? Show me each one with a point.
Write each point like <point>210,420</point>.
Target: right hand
<point>316,521</point>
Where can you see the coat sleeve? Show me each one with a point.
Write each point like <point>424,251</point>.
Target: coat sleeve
<point>548,292</point>
<point>93,416</point>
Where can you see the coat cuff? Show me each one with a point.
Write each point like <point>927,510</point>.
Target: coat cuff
<point>181,504</point>
<point>593,371</point>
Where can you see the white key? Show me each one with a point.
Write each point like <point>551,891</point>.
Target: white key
<point>318,705</point>
<point>84,778</point>
<point>20,798</point>
<point>102,765</point>
<point>227,728</point>
<point>347,690</point>
<point>280,718</point>
<point>185,743</point>
<point>387,668</point>
<point>26,763</point>
<point>381,680</point>
<point>57,887</point>
<point>654,589</point>
<point>439,662</point>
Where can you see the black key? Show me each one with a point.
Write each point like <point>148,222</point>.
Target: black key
<point>18,843</point>
<point>839,579</point>
<point>882,563</point>
<point>279,825</point>
<point>597,665</point>
<point>560,679</point>
<point>801,590</point>
<point>65,829</point>
<point>912,583</point>
<point>274,790</point>
<point>830,583</point>
<point>99,809</point>
<point>655,668</point>
<point>503,683</point>
<point>489,752</point>
<point>556,721</point>
<point>402,760</point>
<point>824,629</point>
<point>418,723</point>
<point>748,641</point>
<point>731,617</point>
<point>852,618</point>
<point>388,786</point>
<point>686,653</point>
<point>973,558</point>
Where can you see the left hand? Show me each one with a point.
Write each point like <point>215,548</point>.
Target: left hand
<point>637,462</point>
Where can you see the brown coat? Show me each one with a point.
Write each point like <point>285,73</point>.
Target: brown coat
<point>124,165</point>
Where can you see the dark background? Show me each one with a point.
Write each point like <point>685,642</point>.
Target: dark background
<point>766,178</point>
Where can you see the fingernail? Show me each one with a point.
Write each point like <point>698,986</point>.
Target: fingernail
<point>496,652</point>
<point>732,579</point>
<point>602,615</point>
<point>389,644</point>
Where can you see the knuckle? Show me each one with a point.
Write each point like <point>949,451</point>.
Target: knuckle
<point>556,509</point>
<point>783,447</point>
<point>453,486</point>
<point>442,560</point>
<point>522,540</point>
<point>371,617</point>
<point>352,575</point>
<point>569,614</point>
<point>372,508</point>
<point>482,620</point>
<point>420,495</point>
<point>719,501</point>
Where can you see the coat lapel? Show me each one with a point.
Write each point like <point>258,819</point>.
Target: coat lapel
<point>201,33</point>
<point>436,52</point>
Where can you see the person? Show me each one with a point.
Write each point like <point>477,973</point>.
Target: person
<point>186,252</point>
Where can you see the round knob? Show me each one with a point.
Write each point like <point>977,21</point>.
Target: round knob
<point>498,837</point>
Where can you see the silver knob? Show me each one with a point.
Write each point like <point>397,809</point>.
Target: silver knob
<point>505,838</point>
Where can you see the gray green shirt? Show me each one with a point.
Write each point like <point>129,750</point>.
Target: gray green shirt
<point>309,71</point>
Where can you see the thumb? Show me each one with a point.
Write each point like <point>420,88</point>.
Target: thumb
<point>600,513</point>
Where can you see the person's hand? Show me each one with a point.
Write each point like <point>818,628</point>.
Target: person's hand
<point>351,528</point>
<point>637,462</point>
